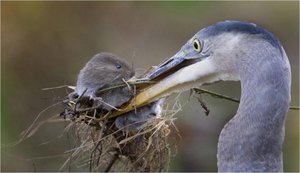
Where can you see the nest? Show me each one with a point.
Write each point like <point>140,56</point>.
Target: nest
<point>102,147</point>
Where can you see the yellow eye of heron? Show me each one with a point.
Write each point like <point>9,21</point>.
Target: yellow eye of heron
<point>197,45</point>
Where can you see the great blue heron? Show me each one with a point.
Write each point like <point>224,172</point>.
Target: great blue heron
<point>232,50</point>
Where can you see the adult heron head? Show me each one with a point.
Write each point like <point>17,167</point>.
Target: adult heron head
<point>234,50</point>
<point>225,51</point>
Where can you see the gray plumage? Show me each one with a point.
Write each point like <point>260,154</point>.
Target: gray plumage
<point>102,71</point>
<point>232,50</point>
<point>252,140</point>
<point>105,70</point>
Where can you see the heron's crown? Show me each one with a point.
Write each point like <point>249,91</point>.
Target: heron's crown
<point>240,27</point>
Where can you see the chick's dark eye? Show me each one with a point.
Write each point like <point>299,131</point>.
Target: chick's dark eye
<point>118,66</point>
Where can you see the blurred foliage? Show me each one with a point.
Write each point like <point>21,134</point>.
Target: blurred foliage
<point>45,44</point>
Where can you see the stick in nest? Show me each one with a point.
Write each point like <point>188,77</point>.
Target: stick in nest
<point>113,149</point>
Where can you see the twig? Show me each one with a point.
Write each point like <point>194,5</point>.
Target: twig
<point>125,84</point>
<point>201,90</point>
<point>58,87</point>
<point>75,107</point>
<point>98,143</point>
<point>202,103</point>
<point>25,134</point>
<point>294,108</point>
<point>111,163</point>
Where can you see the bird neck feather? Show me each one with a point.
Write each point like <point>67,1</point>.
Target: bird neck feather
<point>252,139</point>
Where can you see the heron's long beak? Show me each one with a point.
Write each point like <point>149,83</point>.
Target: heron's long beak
<point>170,76</point>
<point>166,66</point>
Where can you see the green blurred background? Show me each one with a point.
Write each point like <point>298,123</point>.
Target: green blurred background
<point>44,44</point>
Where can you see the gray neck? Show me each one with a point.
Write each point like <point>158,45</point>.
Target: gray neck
<point>252,140</point>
